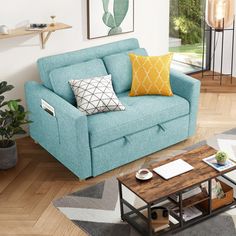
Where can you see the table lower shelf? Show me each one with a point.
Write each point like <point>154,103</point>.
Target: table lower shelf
<point>206,216</point>
<point>140,219</point>
<point>142,227</point>
<point>201,197</point>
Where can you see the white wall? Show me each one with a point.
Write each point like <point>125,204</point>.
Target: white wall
<point>18,55</point>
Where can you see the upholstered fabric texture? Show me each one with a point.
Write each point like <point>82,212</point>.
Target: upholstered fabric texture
<point>119,66</point>
<point>141,113</point>
<point>95,95</point>
<point>65,135</point>
<point>84,144</point>
<point>151,75</point>
<point>60,77</point>
<point>188,88</point>
<point>143,142</point>
<point>47,64</point>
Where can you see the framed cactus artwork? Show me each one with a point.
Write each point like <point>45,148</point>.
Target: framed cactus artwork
<point>110,17</point>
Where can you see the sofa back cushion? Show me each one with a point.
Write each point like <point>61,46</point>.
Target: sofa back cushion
<point>50,63</point>
<point>119,66</point>
<point>60,78</point>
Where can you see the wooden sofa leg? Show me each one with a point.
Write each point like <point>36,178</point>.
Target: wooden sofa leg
<point>88,178</point>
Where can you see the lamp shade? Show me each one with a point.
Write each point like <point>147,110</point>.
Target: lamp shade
<point>219,13</point>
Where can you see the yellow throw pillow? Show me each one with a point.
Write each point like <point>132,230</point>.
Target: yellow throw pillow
<point>151,75</point>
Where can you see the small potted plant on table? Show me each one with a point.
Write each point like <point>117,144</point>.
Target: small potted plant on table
<point>12,118</point>
<point>221,158</point>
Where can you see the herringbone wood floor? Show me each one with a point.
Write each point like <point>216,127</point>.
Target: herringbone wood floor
<point>26,191</point>
<point>211,84</point>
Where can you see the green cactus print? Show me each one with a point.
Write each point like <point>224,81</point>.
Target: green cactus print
<point>113,21</point>
<point>120,10</point>
<point>105,5</point>
<point>109,20</point>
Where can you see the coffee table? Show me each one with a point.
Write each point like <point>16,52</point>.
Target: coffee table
<point>156,190</point>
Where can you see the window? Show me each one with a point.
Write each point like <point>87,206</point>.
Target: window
<point>186,35</point>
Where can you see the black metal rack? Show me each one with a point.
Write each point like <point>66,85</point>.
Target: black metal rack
<point>143,224</point>
<point>213,33</point>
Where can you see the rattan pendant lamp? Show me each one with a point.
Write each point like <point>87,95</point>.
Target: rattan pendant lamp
<point>220,18</point>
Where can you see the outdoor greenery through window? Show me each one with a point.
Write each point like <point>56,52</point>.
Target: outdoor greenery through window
<point>186,31</point>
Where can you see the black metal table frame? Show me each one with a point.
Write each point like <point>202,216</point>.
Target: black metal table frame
<point>173,227</point>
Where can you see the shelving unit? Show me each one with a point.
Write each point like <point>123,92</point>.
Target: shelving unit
<point>141,222</point>
<point>157,191</point>
<point>196,199</point>
<point>44,34</point>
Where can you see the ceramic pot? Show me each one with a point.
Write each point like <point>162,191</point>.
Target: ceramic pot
<point>8,156</point>
<point>221,163</point>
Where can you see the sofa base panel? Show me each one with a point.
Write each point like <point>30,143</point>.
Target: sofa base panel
<point>138,145</point>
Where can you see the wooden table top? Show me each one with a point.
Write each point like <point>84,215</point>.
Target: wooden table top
<point>158,188</point>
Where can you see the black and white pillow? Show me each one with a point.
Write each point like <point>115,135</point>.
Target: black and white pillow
<point>95,95</point>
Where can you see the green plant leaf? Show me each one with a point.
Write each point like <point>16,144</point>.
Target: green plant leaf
<point>186,15</point>
<point>1,99</point>
<point>108,19</point>
<point>4,87</point>
<point>114,31</point>
<point>8,121</point>
<point>105,5</point>
<point>12,117</point>
<point>120,10</point>
<point>13,105</point>
<point>3,104</point>
<point>21,108</point>
<point>3,84</point>
<point>19,131</point>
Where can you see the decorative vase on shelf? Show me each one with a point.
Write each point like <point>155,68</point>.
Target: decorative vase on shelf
<point>219,13</point>
<point>4,30</point>
<point>53,20</point>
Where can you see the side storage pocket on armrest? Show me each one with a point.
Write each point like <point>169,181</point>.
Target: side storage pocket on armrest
<point>50,128</point>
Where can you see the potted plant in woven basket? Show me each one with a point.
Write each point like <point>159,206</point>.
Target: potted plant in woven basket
<point>12,118</point>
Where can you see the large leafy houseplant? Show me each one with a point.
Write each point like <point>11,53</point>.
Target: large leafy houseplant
<point>12,118</point>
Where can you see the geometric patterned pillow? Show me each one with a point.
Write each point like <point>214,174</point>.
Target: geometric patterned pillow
<point>151,75</point>
<point>95,95</point>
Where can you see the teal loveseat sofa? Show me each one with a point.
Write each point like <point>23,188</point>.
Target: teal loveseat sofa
<point>92,145</point>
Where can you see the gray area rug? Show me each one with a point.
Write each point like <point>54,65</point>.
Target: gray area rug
<point>96,209</point>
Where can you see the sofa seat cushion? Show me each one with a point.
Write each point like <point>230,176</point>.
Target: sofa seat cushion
<point>141,113</point>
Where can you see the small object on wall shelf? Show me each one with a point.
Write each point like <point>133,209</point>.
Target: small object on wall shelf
<point>44,33</point>
<point>53,18</point>
<point>37,27</point>
<point>4,29</point>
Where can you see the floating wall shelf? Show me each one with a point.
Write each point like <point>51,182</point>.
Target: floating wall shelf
<point>44,34</point>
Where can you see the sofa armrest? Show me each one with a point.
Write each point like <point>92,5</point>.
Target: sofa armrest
<point>65,136</point>
<point>188,88</point>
